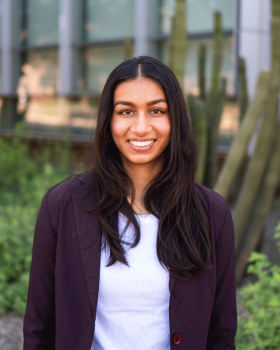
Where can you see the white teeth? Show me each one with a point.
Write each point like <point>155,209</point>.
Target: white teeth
<point>140,143</point>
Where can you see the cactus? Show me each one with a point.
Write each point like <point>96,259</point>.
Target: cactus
<point>243,93</point>
<point>263,148</point>
<point>249,238</point>
<point>177,44</point>
<point>201,72</point>
<point>214,105</point>
<point>217,65</point>
<point>240,144</point>
<point>128,48</point>
<point>198,119</point>
<point>213,136</point>
<point>261,207</point>
<point>243,105</point>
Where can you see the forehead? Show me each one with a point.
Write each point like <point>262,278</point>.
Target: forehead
<point>140,88</point>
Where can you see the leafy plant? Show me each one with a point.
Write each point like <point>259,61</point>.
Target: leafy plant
<point>261,329</point>
<point>23,182</point>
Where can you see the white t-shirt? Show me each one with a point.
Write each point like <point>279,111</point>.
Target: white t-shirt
<point>133,301</point>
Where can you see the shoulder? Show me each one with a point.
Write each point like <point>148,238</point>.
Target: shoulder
<point>75,184</point>
<point>59,198</point>
<point>210,198</point>
<point>216,207</point>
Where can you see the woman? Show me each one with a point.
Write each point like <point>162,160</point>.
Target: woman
<point>164,277</point>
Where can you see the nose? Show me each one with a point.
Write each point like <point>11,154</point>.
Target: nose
<point>141,124</point>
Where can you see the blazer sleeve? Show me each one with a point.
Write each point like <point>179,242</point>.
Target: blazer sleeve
<point>223,321</point>
<point>39,319</point>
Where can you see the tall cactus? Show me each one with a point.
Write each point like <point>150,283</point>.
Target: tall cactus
<point>240,144</point>
<point>248,239</point>
<point>243,105</point>
<point>263,148</point>
<point>198,119</point>
<point>261,207</point>
<point>128,48</point>
<point>243,93</point>
<point>177,44</point>
<point>214,105</point>
<point>217,64</point>
<point>201,72</point>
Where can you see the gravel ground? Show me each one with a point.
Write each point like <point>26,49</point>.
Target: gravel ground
<point>11,337</point>
<point>11,332</point>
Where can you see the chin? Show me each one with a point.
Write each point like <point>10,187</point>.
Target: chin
<point>142,160</point>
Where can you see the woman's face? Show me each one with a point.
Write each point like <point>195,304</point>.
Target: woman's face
<point>140,123</point>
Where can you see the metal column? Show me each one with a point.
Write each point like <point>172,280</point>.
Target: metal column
<point>6,48</point>
<point>65,47</point>
<point>141,27</point>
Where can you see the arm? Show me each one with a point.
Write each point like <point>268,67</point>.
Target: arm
<point>39,319</point>
<point>223,321</point>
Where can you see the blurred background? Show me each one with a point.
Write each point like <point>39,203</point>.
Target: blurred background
<point>55,56</point>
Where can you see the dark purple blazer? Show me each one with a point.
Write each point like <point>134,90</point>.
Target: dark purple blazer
<point>64,277</point>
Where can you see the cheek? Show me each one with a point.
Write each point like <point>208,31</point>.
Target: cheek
<point>117,127</point>
<point>165,128</point>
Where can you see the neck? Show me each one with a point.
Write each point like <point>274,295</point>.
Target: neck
<point>141,175</point>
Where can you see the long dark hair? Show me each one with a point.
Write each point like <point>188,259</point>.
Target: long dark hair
<point>183,245</point>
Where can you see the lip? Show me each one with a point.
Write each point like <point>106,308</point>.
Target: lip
<point>142,148</point>
<point>142,140</point>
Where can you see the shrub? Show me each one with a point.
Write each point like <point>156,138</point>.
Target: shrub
<point>23,182</point>
<point>261,330</point>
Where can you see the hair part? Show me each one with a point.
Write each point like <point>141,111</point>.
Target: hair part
<point>183,244</point>
<point>139,70</point>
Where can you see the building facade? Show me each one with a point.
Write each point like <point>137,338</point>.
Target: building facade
<point>57,54</point>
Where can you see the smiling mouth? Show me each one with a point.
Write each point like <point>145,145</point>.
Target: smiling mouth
<point>142,143</point>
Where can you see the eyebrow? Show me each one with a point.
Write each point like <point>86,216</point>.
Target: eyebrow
<point>126,103</point>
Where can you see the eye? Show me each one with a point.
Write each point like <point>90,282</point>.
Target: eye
<point>126,112</point>
<point>156,111</point>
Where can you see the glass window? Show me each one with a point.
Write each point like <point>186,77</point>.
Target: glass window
<point>0,21</point>
<point>19,23</point>
<point>39,74</point>
<point>83,113</point>
<point>98,62</point>
<point>108,19</point>
<point>42,22</point>
<point>199,15</point>
<point>59,115</point>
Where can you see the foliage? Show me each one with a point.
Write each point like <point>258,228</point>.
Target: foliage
<point>261,329</point>
<point>23,182</point>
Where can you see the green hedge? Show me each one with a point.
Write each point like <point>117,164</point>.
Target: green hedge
<point>23,182</point>
<point>260,330</point>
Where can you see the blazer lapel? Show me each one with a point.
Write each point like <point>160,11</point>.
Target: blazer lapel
<point>89,237</point>
<point>172,280</point>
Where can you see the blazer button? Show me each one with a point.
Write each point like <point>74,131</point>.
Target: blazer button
<point>177,338</point>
